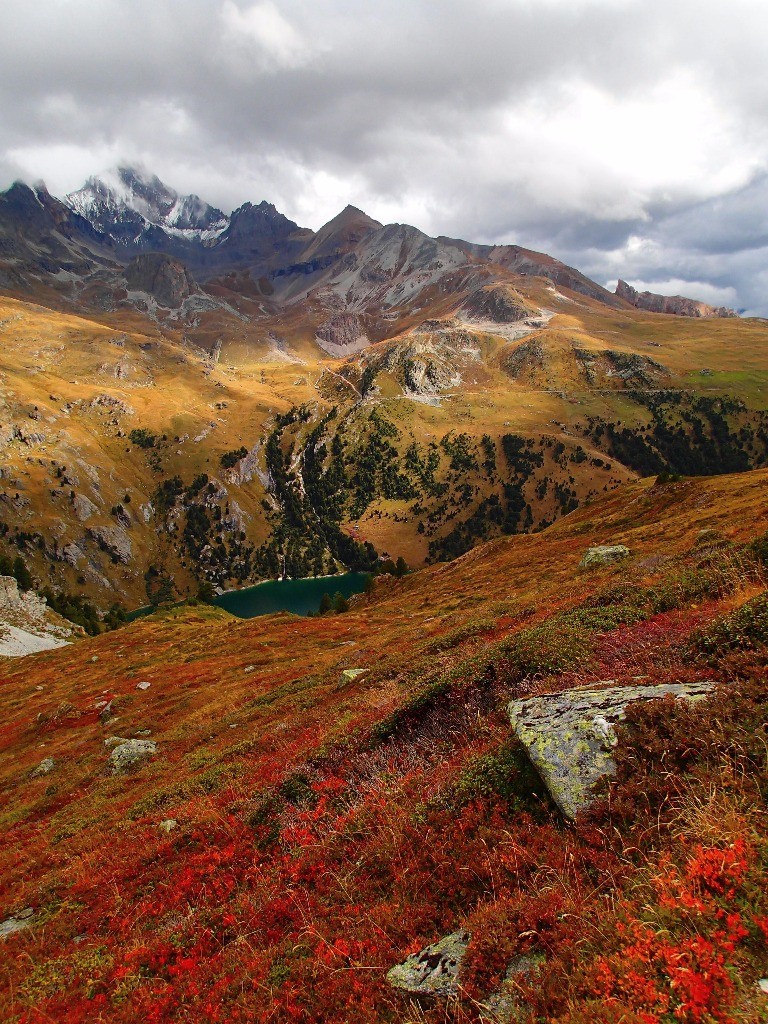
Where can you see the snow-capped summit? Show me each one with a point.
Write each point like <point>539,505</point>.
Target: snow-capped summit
<point>126,203</point>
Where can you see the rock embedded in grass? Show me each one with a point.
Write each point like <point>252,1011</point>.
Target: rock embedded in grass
<point>45,767</point>
<point>604,554</point>
<point>352,673</point>
<point>130,753</point>
<point>505,1005</point>
<point>569,736</point>
<point>434,971</point>
<point>18,923</point>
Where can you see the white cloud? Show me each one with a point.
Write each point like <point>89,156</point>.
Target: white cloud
<point>626,136</point>
<point>277,42</point>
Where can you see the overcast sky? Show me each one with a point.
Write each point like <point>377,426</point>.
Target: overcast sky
<point>627,137</point>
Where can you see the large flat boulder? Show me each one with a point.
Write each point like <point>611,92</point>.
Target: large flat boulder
<point>570,736</point>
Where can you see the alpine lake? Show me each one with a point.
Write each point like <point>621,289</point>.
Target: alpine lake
<point>300,596</point>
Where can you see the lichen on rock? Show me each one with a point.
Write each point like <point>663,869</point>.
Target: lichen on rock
<point>130,753</point>
<point>604,554</point>
<point>570,736</point>
<point>434,971</point>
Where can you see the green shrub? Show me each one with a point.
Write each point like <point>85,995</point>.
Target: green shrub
<point>230,459</point>
<point>75,608</point>
<point>759,549</point>
<point>142,438</point>
<point>507,773</point>
<point>745,629</point>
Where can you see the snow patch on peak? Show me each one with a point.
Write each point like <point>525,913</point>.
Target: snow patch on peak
<point>132,201</point>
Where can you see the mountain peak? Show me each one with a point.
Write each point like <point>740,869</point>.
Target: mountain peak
<point>127,201</point>
<point>342,233</point>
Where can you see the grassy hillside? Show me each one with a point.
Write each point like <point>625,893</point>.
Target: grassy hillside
<point>326,826</point>
<point>144,457</point>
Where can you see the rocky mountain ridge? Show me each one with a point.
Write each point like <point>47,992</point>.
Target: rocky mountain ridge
<point>76,250</point>
<point>675,305</point>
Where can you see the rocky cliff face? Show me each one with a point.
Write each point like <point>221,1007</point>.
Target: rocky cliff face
<point>27,626</point>
<point>167,280</point>
<point>498,303</point>
<point>342,333</point>
<point>676,305</point>
<point>11,599</point>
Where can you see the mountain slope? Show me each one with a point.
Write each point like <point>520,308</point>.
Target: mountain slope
<point>453,431</point>
<point>364,383</point>
<point>297,830</point>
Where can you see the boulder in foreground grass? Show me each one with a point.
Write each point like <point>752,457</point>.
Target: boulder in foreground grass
<point>130,753</point>
<point>433,971</point>
<point>569,736</point>
<point>604,554</point>
<point>45,767</point>
<point>18,923</point>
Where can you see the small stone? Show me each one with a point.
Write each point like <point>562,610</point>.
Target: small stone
<point>130,753</point>
<point>46,765</point>
<point>352,673</point>
<point>143,732</point>
<point>12,925</point>
<point>143,686</point>
<point>114,741</point>
<point>95,658</point>
<point>249,668</point>
<point>106,712</point>
<point>168,825</point>
<point>763,986</point>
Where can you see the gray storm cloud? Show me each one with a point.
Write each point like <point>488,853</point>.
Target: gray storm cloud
<point>629,138</point>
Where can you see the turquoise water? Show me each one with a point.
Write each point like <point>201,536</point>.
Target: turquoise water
<point>298,596</point>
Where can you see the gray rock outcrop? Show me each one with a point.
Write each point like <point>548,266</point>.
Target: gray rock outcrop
<point>342,333</point>
<point>12,599</point>
<point>84,507</point>
<point>166,279</point>
<point>676,305</point>
<point>569,737</point>
<point>113,540</point>
<point>499,303</point>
